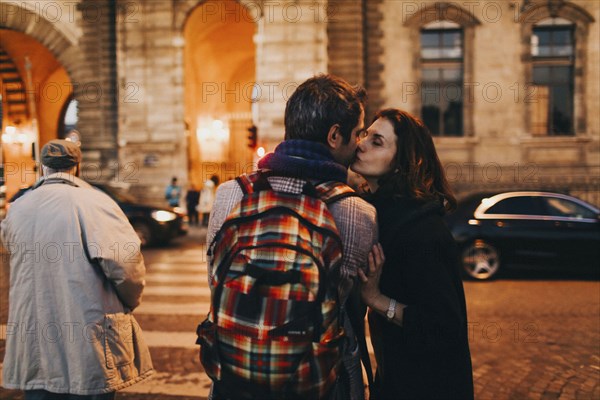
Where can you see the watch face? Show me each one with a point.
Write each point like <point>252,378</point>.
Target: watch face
<point>391,312</point>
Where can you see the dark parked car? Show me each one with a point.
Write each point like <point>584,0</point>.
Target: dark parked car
<point>525,229</point>
<point>154,225</point>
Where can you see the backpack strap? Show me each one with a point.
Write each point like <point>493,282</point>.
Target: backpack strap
<point>255,182</point>
<point>332,191</point>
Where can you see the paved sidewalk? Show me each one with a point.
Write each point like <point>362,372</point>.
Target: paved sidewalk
<point>532,336</point>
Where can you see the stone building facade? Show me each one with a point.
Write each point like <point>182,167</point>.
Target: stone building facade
<point>170,87</point>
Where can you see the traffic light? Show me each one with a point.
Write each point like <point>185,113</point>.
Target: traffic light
<point>252,136</point>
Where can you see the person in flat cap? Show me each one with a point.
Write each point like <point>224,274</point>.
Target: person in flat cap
<point>60,155</point>
<point>74,283</point>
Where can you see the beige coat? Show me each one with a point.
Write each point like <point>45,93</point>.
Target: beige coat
<point>76,272</point>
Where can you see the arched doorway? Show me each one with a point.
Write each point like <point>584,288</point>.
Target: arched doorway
<point>220,71</point>
<point>35,87</point>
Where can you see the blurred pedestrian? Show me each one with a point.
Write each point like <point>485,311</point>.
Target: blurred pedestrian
<point>418,315</point>
<point>192,199</point>
<point>207,198</point>
<point>173,193</point>
<point>76,274</point>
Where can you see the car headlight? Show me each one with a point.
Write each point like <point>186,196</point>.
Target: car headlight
<point>179,210</point>
<point>163,216</point>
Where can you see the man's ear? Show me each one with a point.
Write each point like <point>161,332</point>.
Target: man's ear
<point>334,137</point>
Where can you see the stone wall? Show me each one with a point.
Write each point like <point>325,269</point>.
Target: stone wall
<point>126,62</point>
<point>499,149</point>
<point>291,46</point>
<point>97,76</point>
<point>152,142</point>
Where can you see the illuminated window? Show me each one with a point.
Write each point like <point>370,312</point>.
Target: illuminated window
<point>553,59</point>
<point>442,78</point>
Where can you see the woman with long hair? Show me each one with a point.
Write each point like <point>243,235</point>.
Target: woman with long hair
<point>417,316</point>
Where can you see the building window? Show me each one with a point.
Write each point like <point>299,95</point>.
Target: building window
<point>442,78</point>
<point>553,59</point>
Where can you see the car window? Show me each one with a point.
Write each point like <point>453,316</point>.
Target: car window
<point>521,205</point>
<point>566,208</point>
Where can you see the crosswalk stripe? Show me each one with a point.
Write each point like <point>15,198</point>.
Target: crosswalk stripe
<point>175,267</point>
<point>186,340</point>
<point>177,291</point>
<point>159,308</point>
<point>176,278</point>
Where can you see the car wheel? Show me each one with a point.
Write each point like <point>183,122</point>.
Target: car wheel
<point>144,232</point>
<point>480,260</point>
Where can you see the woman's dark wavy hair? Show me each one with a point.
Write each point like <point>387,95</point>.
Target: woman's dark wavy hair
<point>418,172</point>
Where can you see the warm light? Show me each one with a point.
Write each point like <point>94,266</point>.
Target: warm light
<point>178,41</point>
<point>213,139</point>
<point>9,135</point>
<point>260,151</point>
<point>12,135</point>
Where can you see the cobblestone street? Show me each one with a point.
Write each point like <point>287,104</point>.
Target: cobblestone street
<point>531,338</point>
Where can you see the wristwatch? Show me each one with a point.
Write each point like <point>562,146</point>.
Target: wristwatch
<point>391,311</point>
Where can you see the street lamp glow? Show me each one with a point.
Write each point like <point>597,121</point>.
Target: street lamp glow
<point>260,151</point>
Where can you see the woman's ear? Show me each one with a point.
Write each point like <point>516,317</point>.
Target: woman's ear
<point>334,137</point>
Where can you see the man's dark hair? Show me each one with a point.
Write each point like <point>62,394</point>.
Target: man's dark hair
<point>321,102</point>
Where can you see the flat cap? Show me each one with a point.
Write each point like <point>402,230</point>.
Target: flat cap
<point>60,154</point>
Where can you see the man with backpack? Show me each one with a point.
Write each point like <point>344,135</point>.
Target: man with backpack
<point>285,244</point>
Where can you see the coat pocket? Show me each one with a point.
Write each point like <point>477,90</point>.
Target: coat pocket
<point>119,340</point>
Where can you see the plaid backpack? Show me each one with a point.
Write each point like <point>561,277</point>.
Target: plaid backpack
<point>274,329</point>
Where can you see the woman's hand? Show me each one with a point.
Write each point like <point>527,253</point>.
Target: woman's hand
<point>370,281</point>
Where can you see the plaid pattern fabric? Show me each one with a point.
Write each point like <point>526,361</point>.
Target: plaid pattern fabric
<point>273,327</point>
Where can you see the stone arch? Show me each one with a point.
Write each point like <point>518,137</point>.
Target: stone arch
<point>536,11</point>
<point>30,23</point>
<point>442,11</point>
<point>199,23</point>
<point>56,65</point>
<point>185,8</point>
<point>94,86</point>
<point>447,11</point>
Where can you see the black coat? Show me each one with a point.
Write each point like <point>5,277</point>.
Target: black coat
<point>428,357</point>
